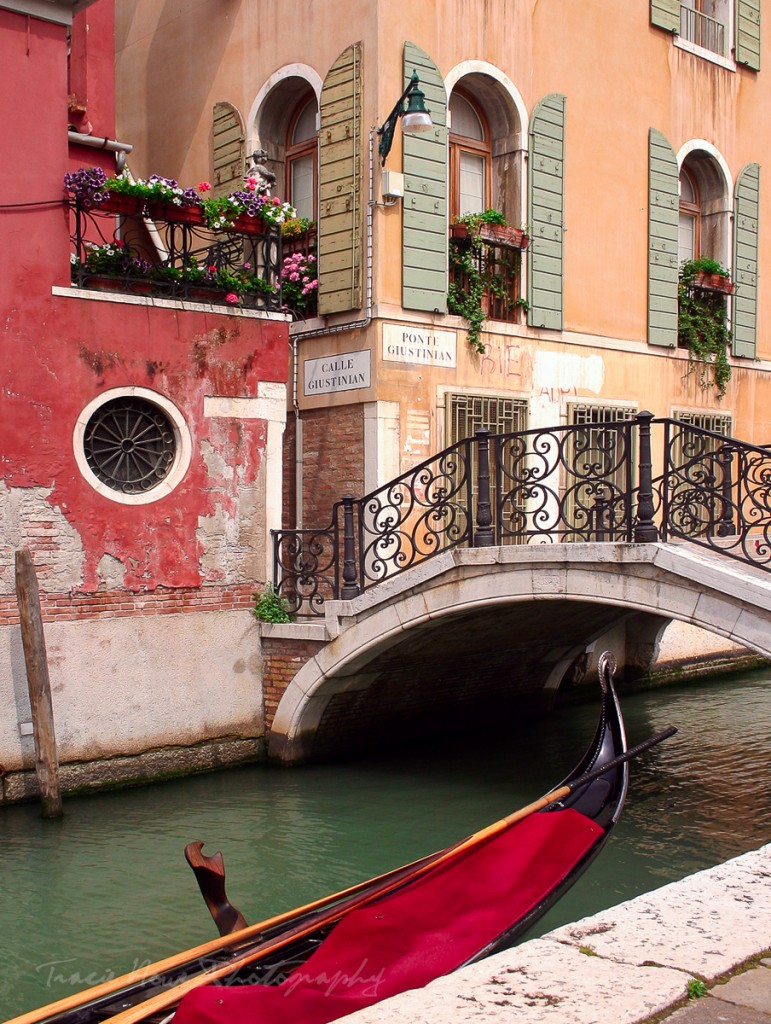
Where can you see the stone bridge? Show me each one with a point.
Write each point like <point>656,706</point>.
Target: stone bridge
<point>471,633</point>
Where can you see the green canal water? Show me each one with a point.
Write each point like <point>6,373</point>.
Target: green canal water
<point>106,889</point>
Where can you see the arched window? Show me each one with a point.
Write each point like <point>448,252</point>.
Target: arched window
<point>470,153</point>
<point>688,230</point>
<point>284,123</point>
<point>705,209</point>
<point>301,160</point>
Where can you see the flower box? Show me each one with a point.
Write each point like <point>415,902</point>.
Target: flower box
<point>495,234</point>
<point>177,214</point>
<point>713,283</point>
<point>124,205</point>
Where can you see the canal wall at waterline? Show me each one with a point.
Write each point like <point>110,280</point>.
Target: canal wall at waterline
<point>633,963</point>
<point>138,708</point>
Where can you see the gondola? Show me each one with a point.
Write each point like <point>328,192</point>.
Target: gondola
<point>395,932</point>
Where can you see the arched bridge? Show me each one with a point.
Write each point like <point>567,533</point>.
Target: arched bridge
<point>485,574</point>
<point>502,623</point>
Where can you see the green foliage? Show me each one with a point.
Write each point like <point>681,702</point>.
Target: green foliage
<point>294,227</point>
<point>702,325</point>
<point>269,606</point>
<point>587,951</point>
<point>472,277</point>
<point>696,988</point>
<point>703,265</point>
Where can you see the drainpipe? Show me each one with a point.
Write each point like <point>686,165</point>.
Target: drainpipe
<point>110,145</point>
<point>318,332</point>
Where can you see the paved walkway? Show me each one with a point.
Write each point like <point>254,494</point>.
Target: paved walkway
<point>744,999</point>
<point>628,965</point>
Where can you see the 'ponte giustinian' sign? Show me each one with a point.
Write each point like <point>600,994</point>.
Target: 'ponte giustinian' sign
<point>419,345</point>
<point>346,372</point>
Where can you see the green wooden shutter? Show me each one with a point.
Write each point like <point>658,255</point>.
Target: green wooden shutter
<point>340,183</point>
<point>745,300</point>
<point>546,213</point>
<point>747,33</point>
<point>663,216</point>
<point>424,221</point>
<point>227,149</point>
<point>666,14</point>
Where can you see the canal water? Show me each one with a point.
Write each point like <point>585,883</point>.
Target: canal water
<point>106,889</point>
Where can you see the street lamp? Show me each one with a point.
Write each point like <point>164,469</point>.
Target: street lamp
<point>414,119</point>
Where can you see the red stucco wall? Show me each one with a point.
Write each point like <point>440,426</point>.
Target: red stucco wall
<point>58,353</point>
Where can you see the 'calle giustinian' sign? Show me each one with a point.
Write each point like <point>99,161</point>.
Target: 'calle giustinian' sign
<point>345,372</point>
<point>419,345</point>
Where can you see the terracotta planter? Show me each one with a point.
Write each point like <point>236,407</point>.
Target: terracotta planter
<point>105,283</point>
<point>124,205</point>
<point>178,214</point>
<point>495,234</point>
<point>249,225</point>
<point>713,283</point>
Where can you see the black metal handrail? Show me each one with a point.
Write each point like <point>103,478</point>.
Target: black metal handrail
<point>129,246</point>
<point>588,482</point>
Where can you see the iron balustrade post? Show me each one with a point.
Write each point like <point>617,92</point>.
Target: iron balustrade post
<point>350,588</point>
<point>645,531</point>
<point>483,535</point>
<point>726,527</point>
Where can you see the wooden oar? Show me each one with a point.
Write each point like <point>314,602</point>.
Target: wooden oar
<point>126,984</point>
<point>166,1000</point>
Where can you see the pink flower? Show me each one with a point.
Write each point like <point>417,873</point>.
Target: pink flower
<point>276,201</point>
<point>251,184</point>
<point>231,297</point>
<point>204,186</point>
<point>212,269</point>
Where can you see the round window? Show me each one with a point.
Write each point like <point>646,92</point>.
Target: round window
<point>132,445</point>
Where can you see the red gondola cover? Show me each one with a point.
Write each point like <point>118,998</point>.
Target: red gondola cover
<point>424,930</point>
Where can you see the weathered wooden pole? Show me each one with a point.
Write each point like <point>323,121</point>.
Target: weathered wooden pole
<point>33,641</point>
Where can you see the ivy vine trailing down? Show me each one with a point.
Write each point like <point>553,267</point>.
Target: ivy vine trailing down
<point>471,277</point>
<point>702,324</point>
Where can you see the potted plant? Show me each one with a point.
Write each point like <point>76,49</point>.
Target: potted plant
<point>477,283</point>
<point>299,284</point>
<point>702,324</point>
<point>247,209</point>
<point>707,274</point>
<point>491,227</point>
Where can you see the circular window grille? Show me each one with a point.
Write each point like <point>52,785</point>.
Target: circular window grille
<point>130,444</point>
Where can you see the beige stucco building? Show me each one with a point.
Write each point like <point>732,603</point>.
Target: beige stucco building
<point>623,139</point>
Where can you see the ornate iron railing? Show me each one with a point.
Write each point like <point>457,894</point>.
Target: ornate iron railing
<point>588,482</point>
<point>715,491</point>
<point>128,246</point>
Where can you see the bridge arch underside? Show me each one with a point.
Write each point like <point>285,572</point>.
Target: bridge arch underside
<point>489,635</point>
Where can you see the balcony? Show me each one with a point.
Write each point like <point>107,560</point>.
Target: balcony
<point>128,245</point>
<point>485,262</point>
<point>701,30</point>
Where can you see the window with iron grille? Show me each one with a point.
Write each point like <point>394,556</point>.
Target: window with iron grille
<point>696,473</point>
<point>596,471</point>
<point>132,445</point>
<point>468,413</point>
<point>717,423</point>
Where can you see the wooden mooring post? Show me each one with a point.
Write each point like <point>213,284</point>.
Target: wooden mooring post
<point>36,660</point>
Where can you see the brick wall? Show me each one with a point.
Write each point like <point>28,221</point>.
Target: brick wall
<point>162,601</point>
<point>333,460</point>
<point>282,659</point>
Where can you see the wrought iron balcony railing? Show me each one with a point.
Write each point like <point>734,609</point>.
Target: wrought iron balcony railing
<point>125,245</point>
<point>589,482</point>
